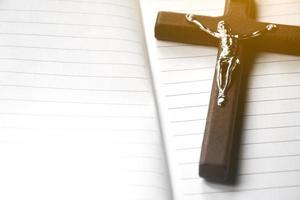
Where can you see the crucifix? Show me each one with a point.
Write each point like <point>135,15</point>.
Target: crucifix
<point>233,33</point>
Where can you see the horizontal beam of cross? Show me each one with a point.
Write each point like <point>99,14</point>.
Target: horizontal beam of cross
<point>174,27</point>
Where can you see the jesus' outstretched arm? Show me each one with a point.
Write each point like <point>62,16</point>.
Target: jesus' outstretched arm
<point>191,19</point>
<point>269,27</point>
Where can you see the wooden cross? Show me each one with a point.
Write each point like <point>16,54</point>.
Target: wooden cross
<point>220,131</point>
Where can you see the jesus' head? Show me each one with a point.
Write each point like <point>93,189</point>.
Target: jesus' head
<point>223,28</point>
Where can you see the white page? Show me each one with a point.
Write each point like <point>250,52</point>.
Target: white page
<point>77,115</point>
<point>270,153</point>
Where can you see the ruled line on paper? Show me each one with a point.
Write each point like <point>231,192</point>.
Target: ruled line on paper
<point>278,61</point>
<point>182,82</point>
<point>70,36</point>
<point>95,2</point>
<point>186,94</point>
<point>75,89</point>
<point>270,142</point>
<point>123,130</point>
<point>248,158</point>
<point>144,171</point>
<point>68,24</point>
<point>188,163</point>
<point>142,157</point>
<point>186,57</point>
<point>159,46</point>
<point>187,107</point>
<point>248,130</point>
<point>199,56</point>
<point>271,127</point>
<point>278,15</point>
<point>275,73</point>
<point>68,12</point>
<point>74,102</point>
<point>247,102</point>
<point>72,49</point>
<point>257,62</point>
<point>244,190</point>
<point>252,88</point>
<point>212,67</point>
<point>73,62</point>
<point>245,144</point>
<point>210,79</point>
<point>150,186</point>
<point>273,156</point>
<point>73,75</point>
<point>186,120</point>
<point>262,173</point>
<point>272,86</point>
<point>188,134</point>
<point>268,172</point>
<point>270,114</point>
<point>187,148</point>
<point>246,174</point>
<point>78,115</point>
<point>277,3</point>
<point>157,145</point>
<point>187,69</point>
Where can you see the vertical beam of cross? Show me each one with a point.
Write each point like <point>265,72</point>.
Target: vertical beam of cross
<point>219,135</point>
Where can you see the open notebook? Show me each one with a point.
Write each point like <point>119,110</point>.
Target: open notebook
<point>81,118</point>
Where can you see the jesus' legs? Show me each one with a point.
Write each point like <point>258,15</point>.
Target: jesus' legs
<point>225,67</point>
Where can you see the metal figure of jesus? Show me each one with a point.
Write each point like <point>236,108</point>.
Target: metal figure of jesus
<point>228,58</point>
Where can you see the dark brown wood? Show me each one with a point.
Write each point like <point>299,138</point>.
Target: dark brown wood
<point>217,147</point>
<point>215,162</point>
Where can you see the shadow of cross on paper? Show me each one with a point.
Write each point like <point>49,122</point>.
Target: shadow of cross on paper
<point>234,33</point>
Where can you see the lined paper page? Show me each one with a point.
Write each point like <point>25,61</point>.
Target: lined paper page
<point>77,115</point>
<point>270,153</point>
